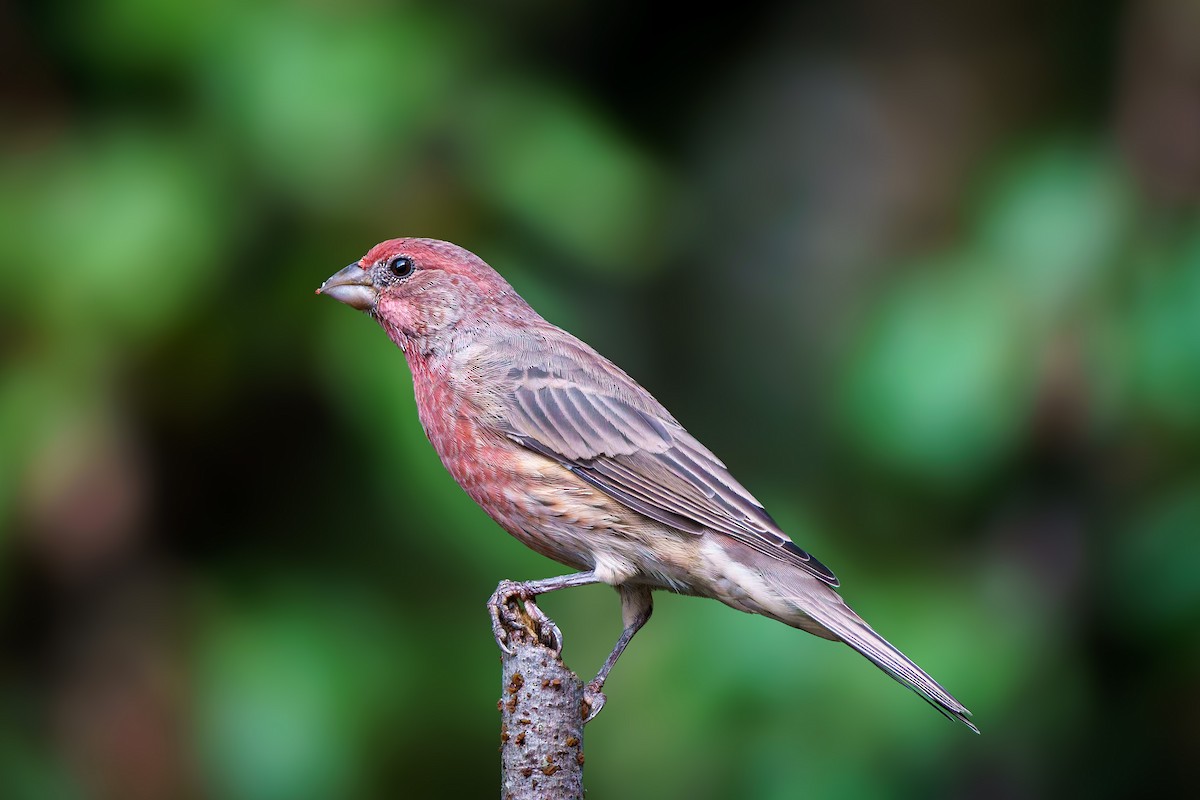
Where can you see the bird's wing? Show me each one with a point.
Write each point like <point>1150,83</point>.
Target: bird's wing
<point>614,435</point>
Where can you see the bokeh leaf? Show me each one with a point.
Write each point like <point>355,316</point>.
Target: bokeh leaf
<point>120,232</point>
<point>1154,565</point>
<point>566,174</point>
<point>1161,335</point>
<point>938,383</point>
<point>1053,222</point>
<point>324,103</point>
<point>290,689</point>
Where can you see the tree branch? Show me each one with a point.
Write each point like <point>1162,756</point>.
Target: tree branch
<point>542,709</point>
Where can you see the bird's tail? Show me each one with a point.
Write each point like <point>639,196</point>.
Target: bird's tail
<point>812,606</point>
<point>841,620</point>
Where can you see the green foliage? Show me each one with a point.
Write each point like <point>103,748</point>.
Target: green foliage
<point>939,383</point>
<point>525,144</point>
<point>30,771</point>
<point>118,234</point>
<point>291,690</point>
<point>1054,224</point>
<point>1162,334</point>
<point>321,101</point>
<point>1155,566</point>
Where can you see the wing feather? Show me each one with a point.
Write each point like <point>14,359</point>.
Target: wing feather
<point>616,437</point>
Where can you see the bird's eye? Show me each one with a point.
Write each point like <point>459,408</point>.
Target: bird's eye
<point>401,266</point>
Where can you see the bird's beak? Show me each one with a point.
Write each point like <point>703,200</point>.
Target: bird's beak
<point>352,286</point>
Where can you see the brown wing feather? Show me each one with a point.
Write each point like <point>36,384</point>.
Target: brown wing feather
<point>611,433</point>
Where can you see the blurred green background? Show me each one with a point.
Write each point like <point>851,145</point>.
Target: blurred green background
<point>926,275</point>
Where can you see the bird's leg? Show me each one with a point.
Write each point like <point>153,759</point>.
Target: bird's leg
<point>636,607</point>
<point>505,616</point>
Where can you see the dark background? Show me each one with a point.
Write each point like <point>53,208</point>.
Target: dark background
<point>926,275</point>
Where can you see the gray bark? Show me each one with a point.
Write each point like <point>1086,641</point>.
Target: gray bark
<point>542,710</point>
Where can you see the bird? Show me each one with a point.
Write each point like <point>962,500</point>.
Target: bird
<point>573,458</point>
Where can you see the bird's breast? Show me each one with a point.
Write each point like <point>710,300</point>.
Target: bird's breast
<point>491,468</point>
<point>541,502</point>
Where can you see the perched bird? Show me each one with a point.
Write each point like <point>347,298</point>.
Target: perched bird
<point>577,461</point>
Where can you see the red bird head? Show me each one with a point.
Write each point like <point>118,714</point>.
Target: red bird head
<point>422,289</point>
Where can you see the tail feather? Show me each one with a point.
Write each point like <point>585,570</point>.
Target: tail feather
<point>840,619</point>
<point>800,600</point>
<point>794,597</point>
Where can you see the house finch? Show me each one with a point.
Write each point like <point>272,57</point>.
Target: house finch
<point>577,461</point>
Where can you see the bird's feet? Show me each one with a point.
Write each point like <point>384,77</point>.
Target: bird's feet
<point>513,608</point>
<point>595,699</point>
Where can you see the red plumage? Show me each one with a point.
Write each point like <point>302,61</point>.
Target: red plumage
<point>576,460</point>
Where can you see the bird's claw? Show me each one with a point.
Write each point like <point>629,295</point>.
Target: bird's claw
<point>506,617</point>
<point>499,621</point>
<point>595,700</point>
<point>548,630</point>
